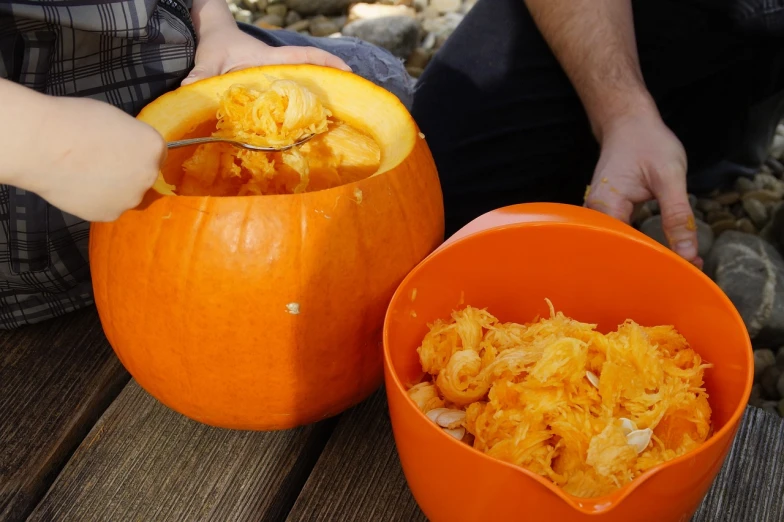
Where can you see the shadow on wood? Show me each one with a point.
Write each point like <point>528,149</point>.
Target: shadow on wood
<point>143,461</point>
<point>56,378</point>
<point>359,478</point>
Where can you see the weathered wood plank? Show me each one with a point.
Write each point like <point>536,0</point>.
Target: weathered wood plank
<point>56,378</point>
<point>143,461</point>
<point>750,486</point>
<point>358,476</point>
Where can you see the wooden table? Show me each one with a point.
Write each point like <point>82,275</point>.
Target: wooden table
<point>80,441</point>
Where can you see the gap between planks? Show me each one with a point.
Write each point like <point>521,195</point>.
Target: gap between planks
<point>144,461</point>
<point>56,379</point>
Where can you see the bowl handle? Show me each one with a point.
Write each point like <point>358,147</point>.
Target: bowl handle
<point>548,213</point>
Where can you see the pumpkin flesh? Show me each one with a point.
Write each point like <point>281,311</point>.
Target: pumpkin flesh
<point>273,113</point>
<point>265,312</point>
<point>589,411</point>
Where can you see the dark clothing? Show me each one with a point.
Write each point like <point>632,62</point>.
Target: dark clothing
<point>506,126</point>
<point>762,17</point>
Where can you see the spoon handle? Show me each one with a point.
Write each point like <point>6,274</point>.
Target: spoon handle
<point>199,141</point>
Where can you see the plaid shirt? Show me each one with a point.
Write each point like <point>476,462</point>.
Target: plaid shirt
<point>124,52</point>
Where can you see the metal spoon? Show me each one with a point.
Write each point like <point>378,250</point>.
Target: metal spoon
<point>199,141</point>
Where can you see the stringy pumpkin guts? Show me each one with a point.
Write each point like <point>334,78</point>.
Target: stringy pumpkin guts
<point>280,114</point>
<point>589,411</point>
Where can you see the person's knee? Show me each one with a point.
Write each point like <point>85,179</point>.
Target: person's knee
<point>373,63</point>
<point>367,60</point>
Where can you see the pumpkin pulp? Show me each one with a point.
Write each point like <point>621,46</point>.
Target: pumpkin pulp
<point>275,112</point>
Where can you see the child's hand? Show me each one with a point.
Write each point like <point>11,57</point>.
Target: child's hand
<point>94,161</point>
<point>229,49</point>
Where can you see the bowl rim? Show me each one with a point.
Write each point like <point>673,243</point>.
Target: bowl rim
<point>586,505</point>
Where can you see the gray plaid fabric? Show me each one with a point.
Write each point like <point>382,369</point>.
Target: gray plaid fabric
<point>124,52</point>
<point>127,53</point>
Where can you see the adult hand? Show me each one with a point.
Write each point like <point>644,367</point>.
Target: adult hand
<point>641,159</point>
<point>594,41</point>
<point>226,48</point>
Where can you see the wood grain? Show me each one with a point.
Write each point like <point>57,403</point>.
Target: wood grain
<point>359,478</point>
<point>750,486</point>
<point>143,461</point>
<point>56,378</point>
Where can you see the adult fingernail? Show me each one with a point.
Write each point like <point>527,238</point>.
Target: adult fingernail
<point>685,249</point>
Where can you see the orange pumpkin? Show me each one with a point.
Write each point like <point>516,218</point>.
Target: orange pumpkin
<point>265,312</point>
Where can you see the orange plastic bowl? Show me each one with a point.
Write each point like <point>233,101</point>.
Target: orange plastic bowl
<point>594,269</point>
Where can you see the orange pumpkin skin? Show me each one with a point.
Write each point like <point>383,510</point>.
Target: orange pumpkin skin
<point>265,312</point>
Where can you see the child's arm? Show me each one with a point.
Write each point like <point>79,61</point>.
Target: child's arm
<point>83,156</point>
<point>209,15</point>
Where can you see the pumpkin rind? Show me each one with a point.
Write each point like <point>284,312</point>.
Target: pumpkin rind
<point>265,312</point>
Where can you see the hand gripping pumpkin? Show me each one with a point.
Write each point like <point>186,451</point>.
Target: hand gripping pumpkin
<point>249,291</point>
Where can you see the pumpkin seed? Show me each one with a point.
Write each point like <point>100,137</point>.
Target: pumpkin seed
<point>593,378</point>
<point>446,418</point>
<point>640,439</point>
<point>451,419</point>
<point>435,413</point>
<point>627,426</point>
<point>458,433</point>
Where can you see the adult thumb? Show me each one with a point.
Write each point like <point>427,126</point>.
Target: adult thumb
<point>200,72</point>
<point>678,221</point>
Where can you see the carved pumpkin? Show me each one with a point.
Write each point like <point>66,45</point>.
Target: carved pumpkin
<point>265,311</point>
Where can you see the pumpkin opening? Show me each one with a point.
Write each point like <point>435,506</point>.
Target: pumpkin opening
<point>273,112</point>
